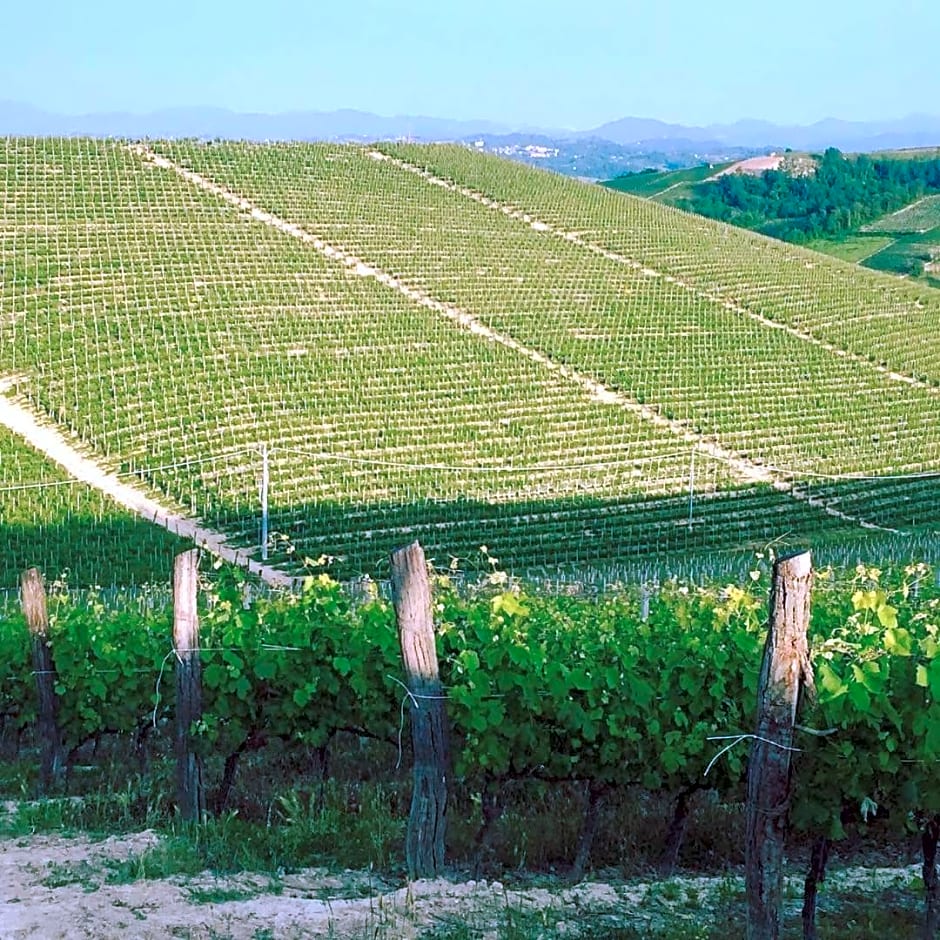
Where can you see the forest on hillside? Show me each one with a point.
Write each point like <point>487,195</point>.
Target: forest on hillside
<point>843,194</point>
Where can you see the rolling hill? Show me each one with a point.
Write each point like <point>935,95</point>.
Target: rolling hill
<point>429,342</point>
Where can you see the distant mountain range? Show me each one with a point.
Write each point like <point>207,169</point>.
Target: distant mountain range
<point>916,130</point>
<point>636,133</point>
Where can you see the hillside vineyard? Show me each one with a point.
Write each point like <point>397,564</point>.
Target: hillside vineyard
<point>433,343</point>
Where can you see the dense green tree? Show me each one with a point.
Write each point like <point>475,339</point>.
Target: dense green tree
<point>843,194</point>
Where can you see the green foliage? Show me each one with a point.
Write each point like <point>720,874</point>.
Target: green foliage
<point>541,687</point>
<point>853,310</point>
<point>841,195</point>
<point>191,336</point>
<point>877,677</point>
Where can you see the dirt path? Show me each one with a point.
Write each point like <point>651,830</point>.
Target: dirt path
<point>53,887</point>
<point>743,470</point>
<point>49,441</point>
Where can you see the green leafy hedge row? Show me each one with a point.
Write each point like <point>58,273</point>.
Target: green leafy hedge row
<point>551,687</point>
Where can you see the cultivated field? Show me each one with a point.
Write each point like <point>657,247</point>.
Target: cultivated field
<point>481,354</point>
<point>920,216</point>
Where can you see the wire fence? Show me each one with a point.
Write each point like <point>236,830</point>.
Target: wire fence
<point>636,518</point>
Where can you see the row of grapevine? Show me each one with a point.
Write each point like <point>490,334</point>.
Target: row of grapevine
<point>725,376</point>
<point>69,529</point>
<point>183,347</point>
<point>541,688</point>
<point>177,338</point>
<point>859,311</point>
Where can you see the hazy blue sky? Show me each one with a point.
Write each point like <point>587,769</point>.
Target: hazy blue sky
<point>564,64</point>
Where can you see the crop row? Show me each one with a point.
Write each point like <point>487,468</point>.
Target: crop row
<point>758,391</point>
<point>68,529</point>
<point>164,330</point>
<point>921,216</point>
<point>872,316</point>
<point>176,337</point>
<point>538,688</point>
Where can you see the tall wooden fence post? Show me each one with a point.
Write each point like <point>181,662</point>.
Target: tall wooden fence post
<point>785,670</point>
<point>52,759</point>
<point>411,591</point>
<point>189,784</point>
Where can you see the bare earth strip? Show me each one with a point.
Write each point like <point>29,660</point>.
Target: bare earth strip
<point>53,887</point>
<point>743,469</point>
<point>573,237</point>
<point>49,441</point>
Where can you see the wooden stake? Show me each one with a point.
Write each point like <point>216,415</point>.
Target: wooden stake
<point>930,835</point>
<point>411,590</point>
<point>52,755</point>
<point>785,670</point>
<point>189,784</point>
<point>265,482</point>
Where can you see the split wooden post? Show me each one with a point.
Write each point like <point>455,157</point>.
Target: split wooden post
<point>411,591</point>
<point>52,757</point>
<point>785,671</point>
<point>189,784</point>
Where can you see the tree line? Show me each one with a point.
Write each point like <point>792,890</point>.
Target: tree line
<point>843,194</point>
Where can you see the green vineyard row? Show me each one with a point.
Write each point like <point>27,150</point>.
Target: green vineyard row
<point>173,337</point>
<point>538,686</point>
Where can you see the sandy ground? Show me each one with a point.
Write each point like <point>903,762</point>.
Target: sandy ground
<point>56,887</point>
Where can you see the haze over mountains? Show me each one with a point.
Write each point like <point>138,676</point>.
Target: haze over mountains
<point>917,130</point>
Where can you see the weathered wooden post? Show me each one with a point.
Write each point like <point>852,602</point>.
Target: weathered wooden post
<point>52,757</point>
<point>785,671</point>
<point>411,591</point>
<point>189,784</point>
<point>930,835</point>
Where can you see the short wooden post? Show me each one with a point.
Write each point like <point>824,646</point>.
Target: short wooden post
<point>411,591</point>
<point>785,671</point>
<point>52,754</point>
<point>189,784</point>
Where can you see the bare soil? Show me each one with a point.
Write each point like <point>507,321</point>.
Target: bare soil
<point>58,887</point>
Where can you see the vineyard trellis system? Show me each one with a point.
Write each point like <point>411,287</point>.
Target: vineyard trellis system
<point>604,693</point>
<point>168,330</point>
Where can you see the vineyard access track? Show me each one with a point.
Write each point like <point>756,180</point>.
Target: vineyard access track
<point>539,226</point>
<point>50,441</point>
<point>746,471</point>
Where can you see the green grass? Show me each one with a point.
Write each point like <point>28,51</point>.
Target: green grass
<point>908,254</point>
<point>653,185</point>
<point>295,834</point>
<point>853,248</point>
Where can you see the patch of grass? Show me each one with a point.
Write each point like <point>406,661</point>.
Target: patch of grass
<point>299,835</point>
<point>220,895</point>
<point>133,807</point>
<point>907,254</point>
<point>61,875</point>
<point>868,916</point>
<point>854,248</point>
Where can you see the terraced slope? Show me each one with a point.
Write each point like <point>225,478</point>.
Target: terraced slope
<point>420,363</point>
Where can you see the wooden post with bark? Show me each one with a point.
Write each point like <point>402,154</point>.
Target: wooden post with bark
<point>52,753</point>
<point>785,671</point>
<point>930,835</point>
<point>189,783</point>
<point>411,592</point>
